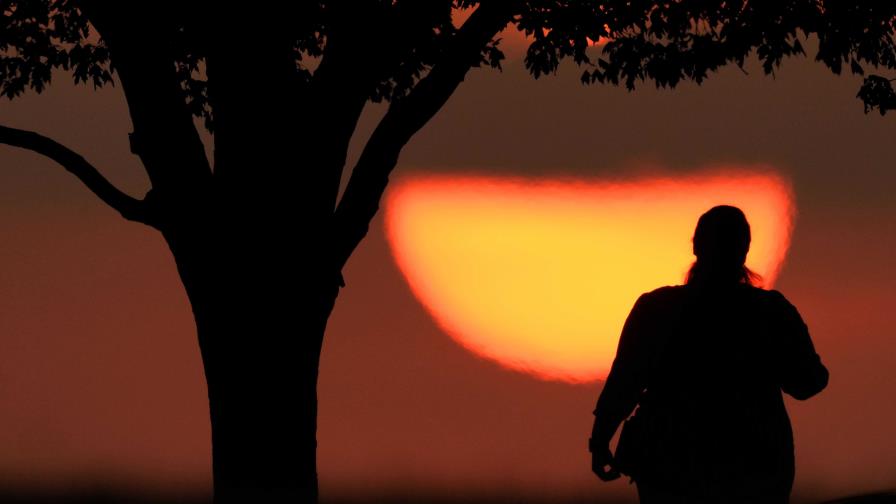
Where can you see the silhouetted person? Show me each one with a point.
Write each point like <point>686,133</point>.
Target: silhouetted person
<point>706,364</point>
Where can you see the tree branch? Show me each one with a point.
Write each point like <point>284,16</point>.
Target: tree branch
<point>337,96</point>
<point>405,117</point>
<point>164,136</point>
<point>130,208</point>
<point>343,83</point>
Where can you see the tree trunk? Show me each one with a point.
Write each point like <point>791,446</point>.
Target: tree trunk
<point>261,309</point>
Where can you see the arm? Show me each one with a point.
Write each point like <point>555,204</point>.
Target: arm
<point>623,387</point>
<point>800,371</point>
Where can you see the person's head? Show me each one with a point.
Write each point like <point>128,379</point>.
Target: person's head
<point>721,242</point>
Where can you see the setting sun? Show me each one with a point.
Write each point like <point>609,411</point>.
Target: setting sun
<point>539,274</point>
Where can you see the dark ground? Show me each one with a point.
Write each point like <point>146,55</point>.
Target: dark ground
<point>123,497</point>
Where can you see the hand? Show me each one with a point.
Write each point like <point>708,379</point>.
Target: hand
<point>602,464</point>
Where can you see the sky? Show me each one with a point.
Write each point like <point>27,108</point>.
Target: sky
<point>100,376</point>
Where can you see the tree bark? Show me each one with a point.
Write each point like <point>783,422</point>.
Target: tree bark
<point>261,309</point>
<point>256,241</point>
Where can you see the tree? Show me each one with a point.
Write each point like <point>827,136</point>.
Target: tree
<point>259,239</point>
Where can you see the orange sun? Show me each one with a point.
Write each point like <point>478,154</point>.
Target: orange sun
<point>539,274</point>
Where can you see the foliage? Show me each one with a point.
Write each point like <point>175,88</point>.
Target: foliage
<point>664,42</point>
<point>686,40</point>
<point>37,36</point>
<point>877,93</point>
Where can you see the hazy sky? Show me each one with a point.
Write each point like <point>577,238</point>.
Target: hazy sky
<point>100,377</point>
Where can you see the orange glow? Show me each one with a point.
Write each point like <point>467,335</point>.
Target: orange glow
<point>539,274</point>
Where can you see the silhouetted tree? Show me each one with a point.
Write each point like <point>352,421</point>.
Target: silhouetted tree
<point>259,238</point>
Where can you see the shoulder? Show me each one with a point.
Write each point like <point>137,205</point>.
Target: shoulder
<point>661,296</point>
<point>665,291</point>
<point>781,305</point>
<point>774,297</point>
<point>775,305</point>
